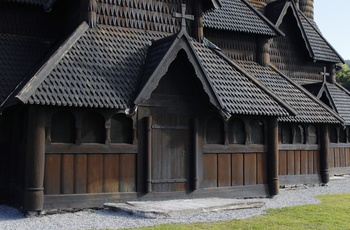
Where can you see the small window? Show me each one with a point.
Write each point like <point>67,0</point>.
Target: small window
<point>121,129</point>
<point>236,132</point>
<point>299,134</point>
<point>215,131</point>
<point>333,134</point>
<point>312,135</point>
<point>287,134</point>
<point>257,132</point>
<point>63,128</point>
<point>93,128</point>
<point>342,135</point>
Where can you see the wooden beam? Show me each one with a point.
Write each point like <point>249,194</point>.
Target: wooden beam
<point>272,156</point>
<point>149,154</point>
<point>324,151</point>
<point>35,160</point>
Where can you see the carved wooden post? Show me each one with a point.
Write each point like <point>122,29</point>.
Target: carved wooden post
<point>264,52</point>
<point>35,160</point>
<point>273,156</point>
<point>332,73</point>
<point>149,154</point>
<point>324,151</point>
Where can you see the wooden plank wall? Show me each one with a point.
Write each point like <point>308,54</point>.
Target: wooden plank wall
<point>299,162</point>
<point>226,170</point>
<point>339,157</point>
<point>89,173</point>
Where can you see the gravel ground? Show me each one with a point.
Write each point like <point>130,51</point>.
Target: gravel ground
<point>11,218</point>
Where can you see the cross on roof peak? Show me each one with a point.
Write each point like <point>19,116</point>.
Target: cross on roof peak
<point>183,16</point>
<point>324,74</point>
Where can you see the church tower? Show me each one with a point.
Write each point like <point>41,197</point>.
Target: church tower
<point>307,7</point>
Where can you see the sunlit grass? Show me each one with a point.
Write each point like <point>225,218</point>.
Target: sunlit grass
<point>332,213</point>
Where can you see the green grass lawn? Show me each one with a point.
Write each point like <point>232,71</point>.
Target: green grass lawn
<point>332,213</point>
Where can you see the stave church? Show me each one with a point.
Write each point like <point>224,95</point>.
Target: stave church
<point>116,100</point>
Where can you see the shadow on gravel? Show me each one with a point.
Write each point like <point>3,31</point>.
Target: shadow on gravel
<point>10,213</point>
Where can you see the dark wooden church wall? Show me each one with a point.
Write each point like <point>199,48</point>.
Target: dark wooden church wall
<point>31,20</point>
<point>339,156</point>
<point>153,15</point>
<point>237,46</point>
<point>89,152</point>
<point>239,158</point>
<point>12,153</point>
<point>299,154</point>
<point>289,54</point>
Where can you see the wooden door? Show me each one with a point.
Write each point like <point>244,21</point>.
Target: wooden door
<point>170,153</point>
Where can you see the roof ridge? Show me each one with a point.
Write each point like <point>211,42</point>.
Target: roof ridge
<point>43,72</point>
<point>310,95</point>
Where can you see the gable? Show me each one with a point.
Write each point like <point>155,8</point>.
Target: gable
<point>316,45</point>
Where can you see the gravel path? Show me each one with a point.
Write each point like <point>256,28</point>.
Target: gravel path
<point>11,218</point>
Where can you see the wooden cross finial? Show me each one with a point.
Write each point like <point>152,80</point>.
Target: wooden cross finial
<point>324,74</point>
<point>183,16</point>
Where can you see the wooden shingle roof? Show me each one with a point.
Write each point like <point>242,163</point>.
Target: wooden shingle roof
<point>340,100</point>
<point>309,108</point>
<point>239,16</point>
<point>18,56</point>
<point>94,68</point>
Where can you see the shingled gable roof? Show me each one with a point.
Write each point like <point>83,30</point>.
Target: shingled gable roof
<point>318,47</point>
<point>339,99</point>
<point>95,67</point>
<point>309,108</point>
<point>228,89</point>
<point>240,16</point>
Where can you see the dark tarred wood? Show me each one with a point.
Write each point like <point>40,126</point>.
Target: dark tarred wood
<point>331,158</point>
<point>224,170</point>
<point>283,163</point>
<point>127,173</point>
<point>149,154</point>
<point>250,169</point>
<point>304,162</point>
<point>310,162</point>
<point>297,162</point>
<point>170,152</point>
<point>111,173</point>
<point>35,160</point>
<point>290,163</point>
<point>324,153</point>
<point>52,174</point>
<point>67,174</point>
<point>237,169</point>
<point>261,168</point>
<point>210,170</point>
<point>95,173</point>
<point>273,155</point>
<point>80,173</point>
<point>316,162</point>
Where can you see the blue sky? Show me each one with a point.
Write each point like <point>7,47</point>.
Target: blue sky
<point>333,19</point>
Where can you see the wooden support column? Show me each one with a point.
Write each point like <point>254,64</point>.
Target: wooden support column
<point>195,142</point>
<point>35,160</point>
<point>324,152</point>
<point>198,33</point>
<point>273,155</point>
<point>149,154</point>
<point>332,73</point>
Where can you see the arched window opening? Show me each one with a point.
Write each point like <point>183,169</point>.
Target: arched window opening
<point>257,132</point>
<point>121,129</point>
<point>63,127</point>
<point>236,132</point>
<point>312,135</point>
<point>342,135</point>
<point>93,128</point>
<point>299,135</point>
<point>287,134</point>
<point>333,134</point>
<point>215,131</point>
